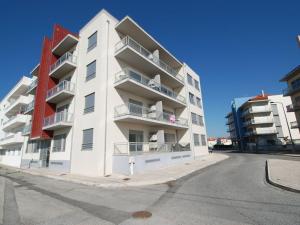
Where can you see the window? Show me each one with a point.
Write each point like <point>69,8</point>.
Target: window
<point>194,118</point>
<point>87,139</point>
<point>196,139</point>
<point>197,119</point>
<point>89,103</point>
<point>32,147</point>
<point>59,143</point>
<point>200,120</point>
<point>192,100</point>
<point>169,138</point>
<point>92,41</point>
<point>196,84</point>
<point>90,71</point>
<point>190,79</point>
<point>203,140</point>
<point>198,101</point>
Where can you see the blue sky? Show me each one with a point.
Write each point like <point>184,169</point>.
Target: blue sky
<point>237,47</point>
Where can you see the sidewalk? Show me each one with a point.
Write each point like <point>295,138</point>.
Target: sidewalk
<point>284,174</point>
<point>159,176</point>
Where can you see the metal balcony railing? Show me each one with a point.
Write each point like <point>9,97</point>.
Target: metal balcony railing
<point>257,110</point>
<point>66,57</point>
<point>147,113</point>
<point>29,107</point>
<point>291,89</point>
<point>136,148</point>
<point>27,129</point>
<point>59,117</point>
<point>130,74</point>
<point>128,41</point>
<point>62,86</point>
<point>32,85</point>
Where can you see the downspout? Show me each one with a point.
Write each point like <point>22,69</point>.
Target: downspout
<point>106,96</point>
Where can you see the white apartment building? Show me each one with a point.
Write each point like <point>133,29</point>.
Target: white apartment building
<point>266,121</point>
<point>112,100</point>
<point>14,120</point>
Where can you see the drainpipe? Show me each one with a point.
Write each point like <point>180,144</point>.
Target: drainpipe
<point>106,93</point>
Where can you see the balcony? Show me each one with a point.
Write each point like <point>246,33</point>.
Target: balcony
<point>256,121</point>
<point>131,81</point>
<point>63,65</point>
<point>138,148</point>
<point>261,131</point>
<point>138,114</point>
<point>133,53</point>
<point>68,42</point>
<point>28,109</point>
<point>295,125</point>
<point>27,130</point>
<point>291,90</point>
<point>15,122</point>
<point>12,140</point>
<point>60,92</point>
<point>293,107</point>
<point>258,109</point>
<point>32,87</point>
<point>58,121</point>
<point>17,105</point>
<point>229,121</point>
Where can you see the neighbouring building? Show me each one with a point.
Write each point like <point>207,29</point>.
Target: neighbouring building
<point>261,122</point>
<point>15,120</point>
<point>110,99</point>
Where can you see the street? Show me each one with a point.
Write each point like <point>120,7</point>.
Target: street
<point>231,192</point>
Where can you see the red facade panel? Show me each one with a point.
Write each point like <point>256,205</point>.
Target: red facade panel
<point>43,109</point>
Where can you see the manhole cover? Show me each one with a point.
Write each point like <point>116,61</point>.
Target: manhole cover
<point>141,214</point>
<point>126,179</point>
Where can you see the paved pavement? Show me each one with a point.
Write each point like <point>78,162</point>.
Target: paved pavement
<point>148,178</point>
<point>231,192</point>
<point>284,173</point>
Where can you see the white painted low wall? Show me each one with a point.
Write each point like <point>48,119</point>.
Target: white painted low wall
<point>147,162</point>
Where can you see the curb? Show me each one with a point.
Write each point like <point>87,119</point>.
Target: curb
<point>276,184</point>
<point>120,184</point>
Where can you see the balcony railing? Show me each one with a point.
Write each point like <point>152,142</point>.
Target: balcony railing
<point>295,124</point>
<point>257,110</point>
<point>128,41</point>
<point>290,90</point>
<point>27,129</point>
<point>129,74</point>
<point>29,107</point>
<point>147,113</point>
<point>137,148</point>
<point>258,121</point>
<point>66,57</point>
<point>9,119</point>
<point>62,86</point>
<point>60,117</point>
<point>32,85</point>
<point>261,132</point>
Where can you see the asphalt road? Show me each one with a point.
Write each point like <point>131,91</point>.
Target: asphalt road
<point>231,192</point>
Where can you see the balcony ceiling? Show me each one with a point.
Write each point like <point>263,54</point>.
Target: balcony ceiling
<point>129,27</point>
<point>66,44</point>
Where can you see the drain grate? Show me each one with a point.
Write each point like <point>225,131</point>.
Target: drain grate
<point>141,214</point>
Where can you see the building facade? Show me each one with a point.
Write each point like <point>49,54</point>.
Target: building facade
<point>15,121</point>
<point>262,122</point>
<point>111,99</point>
